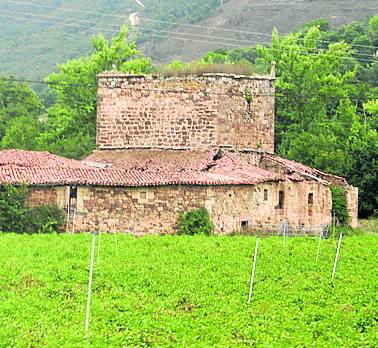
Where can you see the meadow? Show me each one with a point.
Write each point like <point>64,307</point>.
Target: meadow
<point>179,291</point>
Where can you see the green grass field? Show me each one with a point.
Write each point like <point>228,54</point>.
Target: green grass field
<point>187,292</point>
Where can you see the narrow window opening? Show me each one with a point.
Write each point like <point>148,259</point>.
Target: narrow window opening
<point>73,192</point>
<point>265,195</point>
<point>281,200</point>
<point>143,195</point>
<point>244,225</point>
<point>72,200</point>
<point>310,198</point>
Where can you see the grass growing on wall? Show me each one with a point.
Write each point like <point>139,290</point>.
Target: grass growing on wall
<point>187,291</point>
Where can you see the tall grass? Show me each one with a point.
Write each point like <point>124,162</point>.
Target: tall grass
<point>200,68</point>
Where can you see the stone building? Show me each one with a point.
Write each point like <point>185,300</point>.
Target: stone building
<point>168,145</point>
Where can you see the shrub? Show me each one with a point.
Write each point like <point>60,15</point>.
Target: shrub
<point>195,221</point>
<point>45,219</point>
<point>16,215</point>
<point>339,205</point>
<point>13,208</point>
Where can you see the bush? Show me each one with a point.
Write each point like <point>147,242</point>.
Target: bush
<point>195,221</point>
<point>339,205</point>
<point>45,219</point>
<point>16,215</point>
<point>13,208</point>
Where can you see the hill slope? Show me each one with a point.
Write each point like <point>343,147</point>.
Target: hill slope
<point>259,16</point>
<point>35,36</point>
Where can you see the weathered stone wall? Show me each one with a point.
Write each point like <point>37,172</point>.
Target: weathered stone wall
<point>351,192</point>
<point>230,206</point>
<point>156,209</point>
<point>47,196</point>
<point>140,211</point>
<point>185,113</point>
<point>352,204</point>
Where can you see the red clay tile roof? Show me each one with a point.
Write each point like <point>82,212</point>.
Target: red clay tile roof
<point>142,159</point>
<point>168,168</point>
<point>36,159</point>
<point>142,168</point>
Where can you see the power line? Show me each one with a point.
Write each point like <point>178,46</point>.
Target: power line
<point>185,91</point>
<point>59,19</point>
<point>195,40</point>
<point>66,9</point>
<point>114,31</point>
<point>244,32</point>
<point>167,37</point>
<point>238,40</point>
<point>302,51</point>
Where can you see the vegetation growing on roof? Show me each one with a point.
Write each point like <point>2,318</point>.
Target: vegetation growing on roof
<point>198,68</point>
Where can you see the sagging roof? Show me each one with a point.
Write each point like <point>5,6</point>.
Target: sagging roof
<point>133,168</point>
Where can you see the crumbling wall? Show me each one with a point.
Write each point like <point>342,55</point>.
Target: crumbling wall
<point>185,113</point>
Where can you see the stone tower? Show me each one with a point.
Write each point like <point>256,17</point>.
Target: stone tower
<point>188,113</point>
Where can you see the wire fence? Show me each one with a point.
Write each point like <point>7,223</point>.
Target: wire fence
<point>285,229</point>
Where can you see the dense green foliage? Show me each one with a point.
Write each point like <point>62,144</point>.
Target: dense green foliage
<point>196,221</point>
<point>45,219</point>
<point>339,205</point>
<point>14,208</point>
<point>20,113</point>
<point>17,216</point>
<point>187,292</point>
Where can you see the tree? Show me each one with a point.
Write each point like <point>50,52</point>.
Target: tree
<point>22,133</point>
<point>373,30</point>
<point>309,82</point>
<point>71,128</point>
<point>18,104</point>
